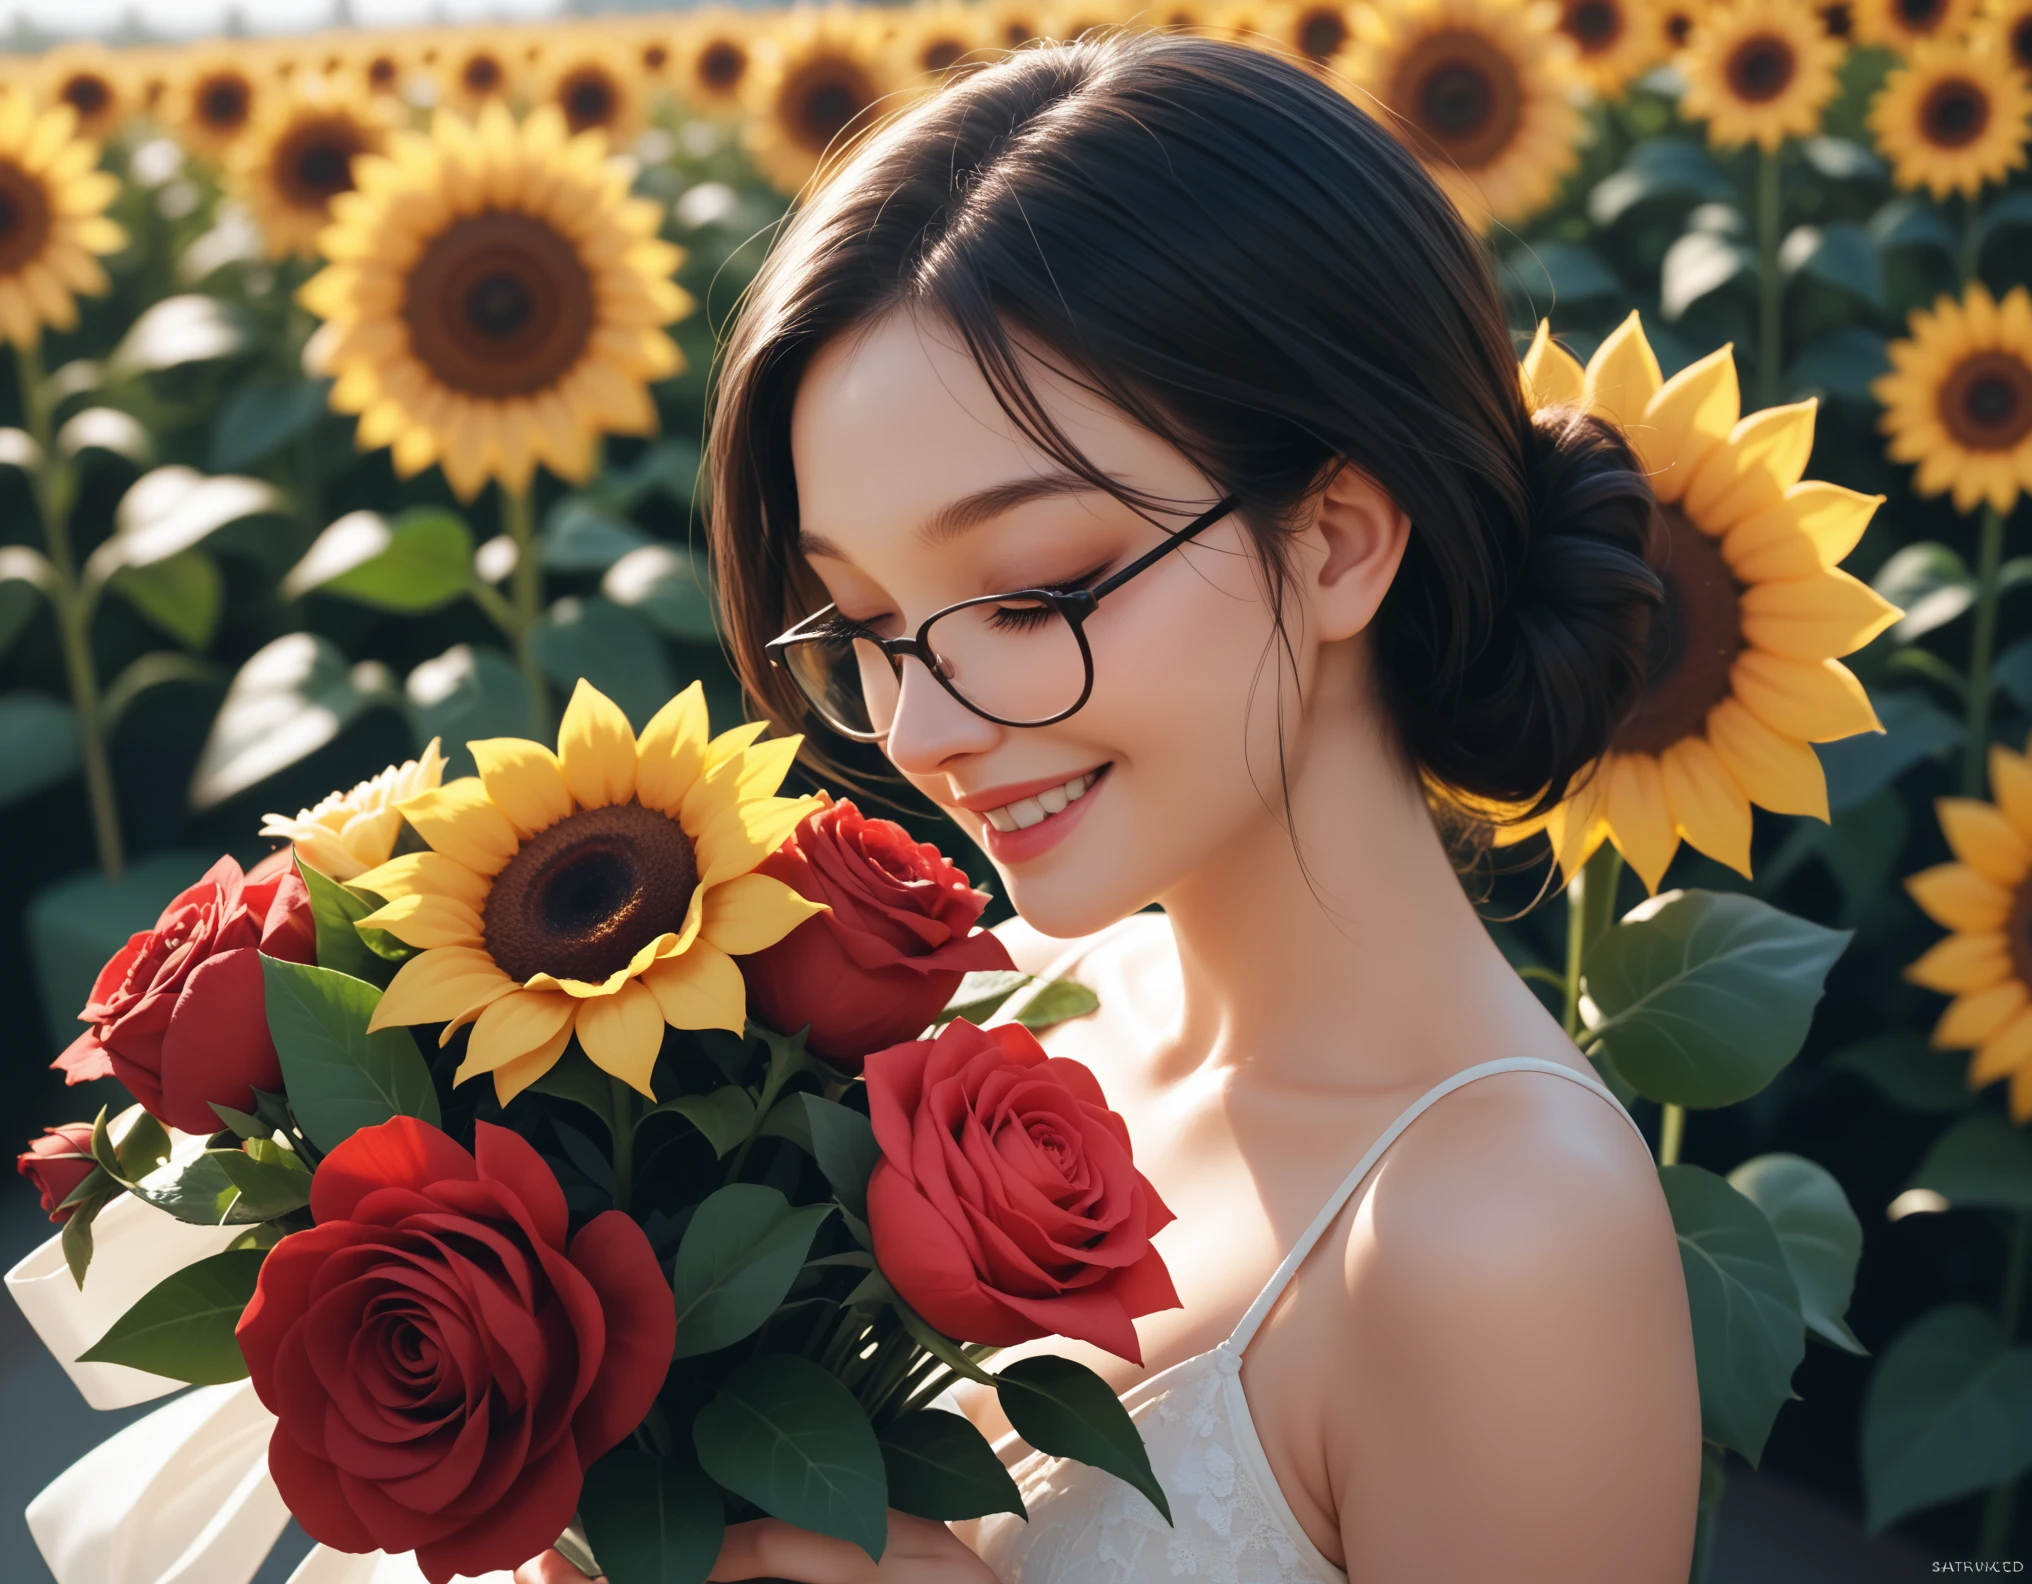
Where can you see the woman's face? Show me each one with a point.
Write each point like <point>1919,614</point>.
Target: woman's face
<point>1176,747</point>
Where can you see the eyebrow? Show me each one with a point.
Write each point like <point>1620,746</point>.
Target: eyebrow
<point>969,511</point>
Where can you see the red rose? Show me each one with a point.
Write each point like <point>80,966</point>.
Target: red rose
<point>880,965</point>
<point>444,1366</point>
<point>57,1162</point>
<point>1006,1204</point>
<point>179,1015</point>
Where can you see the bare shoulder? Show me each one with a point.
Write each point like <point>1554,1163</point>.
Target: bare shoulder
<point>1524,1353</point>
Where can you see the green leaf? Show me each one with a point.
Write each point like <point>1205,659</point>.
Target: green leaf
<point>183,1326</point>
<point>419,562</point>
<point>24,582</point>
<point>1981,1163</point>
<point>941,1467</point>
<point>77,1232</point>
<point>465,694</point>
<point>652,1520</point>
<point>1930,583</point>
<point>1839,254</point>
<point>38,745</point>
<point>876,1291</point>
<point>1908,1072</point>
<point>1844,362</point>
<point>2012,671</point>
<point>339,1077</point>
<point>581,535</point>
<point>1819,1233</point>
<point>668,467</point>
<point>668,588</point>
<point>1842,159</point>
<point>173,509</point>
<point>1547,272</point>
<point>335,910</point>
<point>1057,1002</point>
<point>157,668</point>
<point>261,416</point>
<point>268,1187</point>
<point>1696,265</point>
<point>143,1148</point>
<point>725,1116</point>
<point>1947,1412</point>
<point>2004,211</point>
<point>189,329</point>
<point>981,993</point>
<point>196,1191</point>
<point>610,647</point>
<point>247,1127</point>
<point>1065,1410</point>
<point>843,1144</point>
<point>106,429</point>
<point>742,1250</point>
<point>573,1077</point>
<point>791,1439</point>
<point>1748,1335</point>
<point>1911,221</point>
<point>292,697</point>
<point>1704,996</point>
<point>183,595</point>
<point>1915,729</point>
<point>1659,168</point>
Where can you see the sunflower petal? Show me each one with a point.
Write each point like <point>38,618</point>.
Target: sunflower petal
<point>426,920</point>
<point>1708,808</point>
<point>597,748</point>
<point>525,782</point>
<point>1984,839</point>
<point>1981,1015</point>
<point>752,911</point>
<point>700,990</point>
<point>1765,454</point>
<point>730,743</point>
<point>1551,374</point>
<point>2005,1054</point>
<point>1639,817</point>
<point>2011,785</point>
<point>1576,827</point>
<point>1812,529</point>
<point>439,985</point>
<point>424,874</point>
<point>742,836</point>
<point>1813,700</point>
<point>623,1033</point>
<point>742,777</point>
<point>1814,618</point>
<point>512,1027</point>
<point>511,1078</point>
<point>1779,773</point>
<point>1955,897</point>
<point>460,821</point>
<point>1692,413</point>
<point>671,752</point>
<point>1622,376</point>
<point>1962,963</point>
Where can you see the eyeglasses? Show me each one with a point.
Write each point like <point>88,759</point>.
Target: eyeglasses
<point>1017,659</point>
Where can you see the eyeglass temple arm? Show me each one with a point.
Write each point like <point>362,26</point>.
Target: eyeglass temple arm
<point>1204,520</point>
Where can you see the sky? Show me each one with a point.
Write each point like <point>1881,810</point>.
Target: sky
<point>192,18</point>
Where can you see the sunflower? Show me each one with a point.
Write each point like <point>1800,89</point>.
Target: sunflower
<point>1180,16</point>
<point>298,158</point>
<point>715,63</point>
<point>349,833</point>
<point>1742,673</point>
<point>1952,119</point>
<point>1986,899</point>
<point>1902,24</point>
<point>476,72</point>
<point>653,50</point>
<point>602,891</point>
<point>936,36</point>
<point>1672,24</point>
<point>52,218</point>
<point>1481,90</point>
<point>1837,19</point>
<point>495,299</point>
<point>1759,71</point>
<point>380,67</point>
<point>93,82</point>
<point>2006,25</point>
<point>1068,20</point>
<point>1313,31</point>
<point>821,88</point>
<point>594,89</point>
<point>1958,399</point>
<point>1613,40</point>
<point>214,101</point>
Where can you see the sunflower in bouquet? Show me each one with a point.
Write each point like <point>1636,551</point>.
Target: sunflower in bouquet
<point>480,1332</point>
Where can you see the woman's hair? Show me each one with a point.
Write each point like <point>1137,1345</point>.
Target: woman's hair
<point>1229,251</point>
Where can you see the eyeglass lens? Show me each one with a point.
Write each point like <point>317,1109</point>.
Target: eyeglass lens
<point>1017,660</point>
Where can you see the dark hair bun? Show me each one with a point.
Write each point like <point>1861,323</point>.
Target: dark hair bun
<point>1564,661</point>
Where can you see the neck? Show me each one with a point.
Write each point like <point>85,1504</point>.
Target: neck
<point>1355,959</point>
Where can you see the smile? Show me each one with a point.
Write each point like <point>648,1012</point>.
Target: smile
<point>1034,810</point>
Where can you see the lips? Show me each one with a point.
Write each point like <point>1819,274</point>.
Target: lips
<point>1024,819</point>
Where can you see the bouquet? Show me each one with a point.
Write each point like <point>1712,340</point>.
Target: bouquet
<point>616,1153</point>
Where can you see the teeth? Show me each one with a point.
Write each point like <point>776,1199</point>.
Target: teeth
<point>999,818</point>
<point>1076,788</point>
<point>1053,799</point>
<point>1027,812</point>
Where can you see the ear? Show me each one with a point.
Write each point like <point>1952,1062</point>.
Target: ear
<point>1359,535</point>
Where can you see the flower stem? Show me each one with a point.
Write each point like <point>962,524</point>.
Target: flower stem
<point>1995,1535</point>
<point>518,510</point>
<point>72,606</point>
<point>1771,284</point>
<point>1970,261</point>
<point>1590,910</point>
<point>1989,556</point>
<point>1671,1129</point>
<point>624,1140</point>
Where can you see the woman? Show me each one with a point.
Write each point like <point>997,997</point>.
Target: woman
<point>1181,346</point>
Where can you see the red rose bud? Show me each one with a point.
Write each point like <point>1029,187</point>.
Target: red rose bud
<point>880,965</point>
<point>445,1366</point>
<point>56,1163</point>
<point>1006,1205</point>
<point>179,1015</point>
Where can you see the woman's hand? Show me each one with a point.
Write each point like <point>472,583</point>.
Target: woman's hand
<point>920,1551</point>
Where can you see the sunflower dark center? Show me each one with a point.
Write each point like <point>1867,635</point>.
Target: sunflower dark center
<point>1678,27</point>
<point>2018,932</point>
<point>655,57</point>
<point>1921,16</point>
<point>1321,33</point>
<point>2021,43</point>
<point>1016,34</point>
<point>940,54</point>
<point>1986,403</point>
<point>1837,20</point>
<point>582,898</point>
<point>1694,641</point>
<point>822,99</point>
<point>223,103</point>
<point>481,74</point>
<point>1954,113</point>
<point>500,304</point>
<point>87,94</point>
<point>1593,24</point>
<point>722,64</point>
<point>24,217</point>
<point>316,162</point>
<point>588,100</point>
<point>1761,68</point>
<point>1461,92</point>
<point>381,72</point>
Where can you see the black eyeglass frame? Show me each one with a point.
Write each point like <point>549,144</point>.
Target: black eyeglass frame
<point>1074,606</point>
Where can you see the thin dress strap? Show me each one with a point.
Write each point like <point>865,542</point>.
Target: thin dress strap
<point>1245,1332</point>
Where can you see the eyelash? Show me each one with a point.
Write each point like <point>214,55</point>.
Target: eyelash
<point>1019,619</point>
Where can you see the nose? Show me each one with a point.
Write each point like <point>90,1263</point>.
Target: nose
<point>931,728</point>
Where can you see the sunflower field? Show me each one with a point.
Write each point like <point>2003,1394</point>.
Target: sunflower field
<point>352,411</point>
